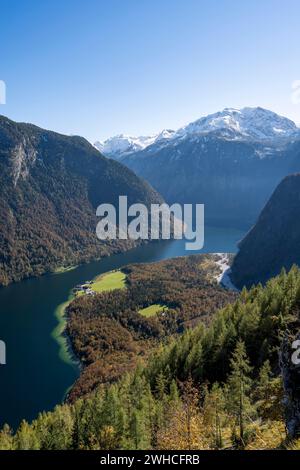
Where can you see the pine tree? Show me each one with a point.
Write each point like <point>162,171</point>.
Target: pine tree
<point>214,414</point>
<point>239,386</point>
<point>190,398</point>
<point>161,386</point>
<point>61,426</point>
<point>112,418</point>
<point>6,438</point>
<point>174,393</point>
<point>26,437</point>
<point>137,430</point>
<point>149,406</point>
<point>269,394</point>
<point>263,385</point>
<point>185,427</point>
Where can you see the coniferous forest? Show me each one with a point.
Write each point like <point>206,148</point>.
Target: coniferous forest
<point>218,385</point>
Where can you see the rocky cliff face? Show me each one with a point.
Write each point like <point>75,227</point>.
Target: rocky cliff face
<point>50,186</point>
<point>273,242</point>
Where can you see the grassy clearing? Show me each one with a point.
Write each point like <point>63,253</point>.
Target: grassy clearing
<point>106,282</point>
<point>109,281</point>
<point>152,310</point>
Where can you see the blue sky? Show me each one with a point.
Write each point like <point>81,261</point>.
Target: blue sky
<point>99,68</point>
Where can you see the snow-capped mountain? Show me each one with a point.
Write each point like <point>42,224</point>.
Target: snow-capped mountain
<point>121,145</point>
<point>246,123</point>
<point>231,161</point>
<point>258,124</point>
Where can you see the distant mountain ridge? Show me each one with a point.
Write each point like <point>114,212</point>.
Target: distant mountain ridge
<point>247,123</point>
<point>231,161</point>
<point>234,124</point>
<point>273,242</point>
<point>50,186</point>
<point>120,145</point>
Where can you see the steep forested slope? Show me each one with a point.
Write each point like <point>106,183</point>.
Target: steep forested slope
<point>273,243</point>
<point>216,386</point>
<point>50,186</point>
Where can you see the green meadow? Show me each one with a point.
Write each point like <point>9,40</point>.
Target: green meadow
<point>152,310</point>
<point>110,281</point>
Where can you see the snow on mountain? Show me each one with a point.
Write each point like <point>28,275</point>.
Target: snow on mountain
<point>121,145</point>
<point>231,124</point>
<point>249,123</point>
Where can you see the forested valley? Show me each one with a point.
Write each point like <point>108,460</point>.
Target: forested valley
<point>215,386</point>
<point>109,334</point>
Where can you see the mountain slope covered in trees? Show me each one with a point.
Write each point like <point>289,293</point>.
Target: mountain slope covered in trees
<point>216,386</point>
<point>50,186</point>
<point>108,333</point>
<point>273,242</point>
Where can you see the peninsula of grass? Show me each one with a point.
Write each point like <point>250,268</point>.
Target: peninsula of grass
<point>110,281</point>
<point>152,310</point>
<point>105,282</point>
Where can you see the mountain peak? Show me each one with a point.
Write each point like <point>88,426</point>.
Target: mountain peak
<point>122,144</point>
<point>255,123</point>
<point>245,124</point>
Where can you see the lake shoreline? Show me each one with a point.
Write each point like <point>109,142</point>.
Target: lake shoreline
<point>35,378</point>
<point>60,335</point>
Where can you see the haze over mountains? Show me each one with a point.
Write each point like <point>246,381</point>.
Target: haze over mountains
<point>273,242</point>
<point>231,161</point>
<point>244,124</point>
<point>50,186</point>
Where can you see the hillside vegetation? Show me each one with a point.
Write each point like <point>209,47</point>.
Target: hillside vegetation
<point>50,187</point>
<point>273,242</point>
<point>216,386</point>
<point>112,330</point>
